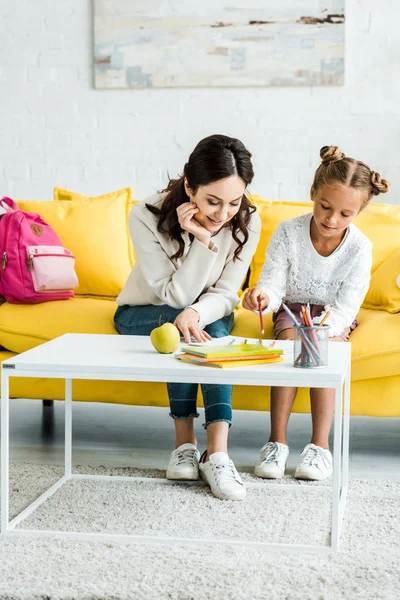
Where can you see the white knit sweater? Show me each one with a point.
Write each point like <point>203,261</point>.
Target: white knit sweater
<point>205,279</point>
<point>294,272</point>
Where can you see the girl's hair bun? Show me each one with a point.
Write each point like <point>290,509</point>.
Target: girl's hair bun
<point>330,154</point>
<point>378,185</point>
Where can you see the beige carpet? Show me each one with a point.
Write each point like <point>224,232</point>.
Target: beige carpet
<point>365,568</point>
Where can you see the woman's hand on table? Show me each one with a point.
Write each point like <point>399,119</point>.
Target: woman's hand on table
<point>186,213</point>
<point>188,324</point>
<point>255,297</point>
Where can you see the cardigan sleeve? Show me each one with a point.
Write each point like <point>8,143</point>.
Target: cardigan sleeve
<point>221,298</point>
<point>177,287</point>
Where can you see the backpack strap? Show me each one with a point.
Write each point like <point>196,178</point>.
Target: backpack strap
<point>7,204</point>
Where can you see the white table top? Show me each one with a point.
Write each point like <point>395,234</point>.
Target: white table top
<point>133,358</point>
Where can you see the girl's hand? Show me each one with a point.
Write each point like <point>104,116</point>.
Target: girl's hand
<point>254,297</point>
<point>186,213</point>
<point>188,324</point>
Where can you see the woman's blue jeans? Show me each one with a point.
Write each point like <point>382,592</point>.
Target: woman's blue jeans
<point>141,320</point>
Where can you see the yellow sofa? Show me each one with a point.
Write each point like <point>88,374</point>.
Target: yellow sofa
<point>95,229</point>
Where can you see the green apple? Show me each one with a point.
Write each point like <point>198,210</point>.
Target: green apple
<point>166,338</point>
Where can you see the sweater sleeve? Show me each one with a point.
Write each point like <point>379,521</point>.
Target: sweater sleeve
<point>176,287</point>
<point>351,292</point>
<point>221,298</point>
<point>273,277</point>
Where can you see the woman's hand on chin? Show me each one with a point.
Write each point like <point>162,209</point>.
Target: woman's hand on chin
<point>188,324</point>
<point>186,213</point>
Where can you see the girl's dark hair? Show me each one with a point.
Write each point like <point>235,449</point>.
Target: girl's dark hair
<point>214,158</point>
<point>336,167</point>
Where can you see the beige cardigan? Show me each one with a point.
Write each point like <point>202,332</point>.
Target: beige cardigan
<point>203,279</point>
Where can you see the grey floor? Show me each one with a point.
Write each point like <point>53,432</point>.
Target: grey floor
<point>118,435</point>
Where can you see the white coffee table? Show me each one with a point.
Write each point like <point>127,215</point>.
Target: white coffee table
<point>132,358</point>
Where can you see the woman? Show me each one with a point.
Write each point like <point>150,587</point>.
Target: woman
<point>193,244</point>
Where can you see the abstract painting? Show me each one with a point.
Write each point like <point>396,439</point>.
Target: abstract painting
<point>204,43</point>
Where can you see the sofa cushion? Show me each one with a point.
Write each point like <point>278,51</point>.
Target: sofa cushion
<point>23,326</point>
<point>375,342</point>
<point>379,222</point>
<point>384,291</point>
<point>271,213</point>
<point>61,195</point>
<point>96,232</point>
<point>376,345</point>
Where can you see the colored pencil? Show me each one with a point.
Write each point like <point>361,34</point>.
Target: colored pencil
<point>261,317</point>
<point>310,324</point>
<point>328,312</point>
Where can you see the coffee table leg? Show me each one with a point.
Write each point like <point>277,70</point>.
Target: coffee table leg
<point>337,454</point>
<point>68,427</point>
<point>346,431</point>
<point>5,440</point>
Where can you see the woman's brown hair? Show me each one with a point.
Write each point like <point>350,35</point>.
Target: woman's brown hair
<point>215,157</point>
<point>336,167</point>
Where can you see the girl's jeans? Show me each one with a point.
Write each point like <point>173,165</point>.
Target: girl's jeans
<point>141,320</point>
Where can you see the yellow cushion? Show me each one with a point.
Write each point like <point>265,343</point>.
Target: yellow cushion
<point>271,213</point>
<point>376,345</point>
<point>126,193</point>
<point>24,326</point>
<point>384,292</point>
<point>379,222</point>
<point>96,232</point>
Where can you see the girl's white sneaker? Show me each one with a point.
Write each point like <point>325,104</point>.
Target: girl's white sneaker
<point>220,474</point>
<point>316,463</point>
<point>184,463</point>
<point>273,459</point>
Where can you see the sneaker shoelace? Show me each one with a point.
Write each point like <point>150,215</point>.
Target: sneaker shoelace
<point>313,457</point>
<point>187,456</point>
<point>272,455</point>
<point>226,471</point>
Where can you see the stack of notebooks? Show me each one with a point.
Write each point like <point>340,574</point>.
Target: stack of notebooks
<point>223,357</point>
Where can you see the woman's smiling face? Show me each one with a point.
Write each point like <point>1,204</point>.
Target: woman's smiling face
<point>218,202</point>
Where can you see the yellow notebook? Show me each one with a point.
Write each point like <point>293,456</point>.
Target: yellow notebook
<point>200,359</point>
<point>231,350</point>
<point>231,363</point>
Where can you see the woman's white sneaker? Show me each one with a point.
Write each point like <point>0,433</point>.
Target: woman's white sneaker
<point>221,475</point>
<point>273,459</point>
<point>316,463</point>
<point>184,463</point>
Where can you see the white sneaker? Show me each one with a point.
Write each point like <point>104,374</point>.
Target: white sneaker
<point>273,459</point>
<point>184,463</point>
<point>316,463</point>
<point>220,474</point>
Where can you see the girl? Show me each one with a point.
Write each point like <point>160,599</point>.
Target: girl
<point>321,258</point>
<point>193,244</point>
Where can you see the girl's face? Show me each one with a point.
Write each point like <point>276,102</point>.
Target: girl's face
<point>335,206</point>
<point>218,202</point>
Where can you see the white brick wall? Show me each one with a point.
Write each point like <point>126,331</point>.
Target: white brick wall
<point>57,130</point>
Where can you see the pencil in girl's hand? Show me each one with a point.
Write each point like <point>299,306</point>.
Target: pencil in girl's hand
<point>261,317</point>
<point>272,344</point>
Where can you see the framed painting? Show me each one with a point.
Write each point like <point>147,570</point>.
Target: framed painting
<point>171,43</point>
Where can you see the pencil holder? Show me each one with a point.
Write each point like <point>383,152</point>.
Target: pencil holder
<point>311,346</point>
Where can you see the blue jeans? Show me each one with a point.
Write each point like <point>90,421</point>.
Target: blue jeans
<point>141,320</point>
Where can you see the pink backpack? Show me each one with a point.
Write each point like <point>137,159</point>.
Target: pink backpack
<point>35,267</point>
